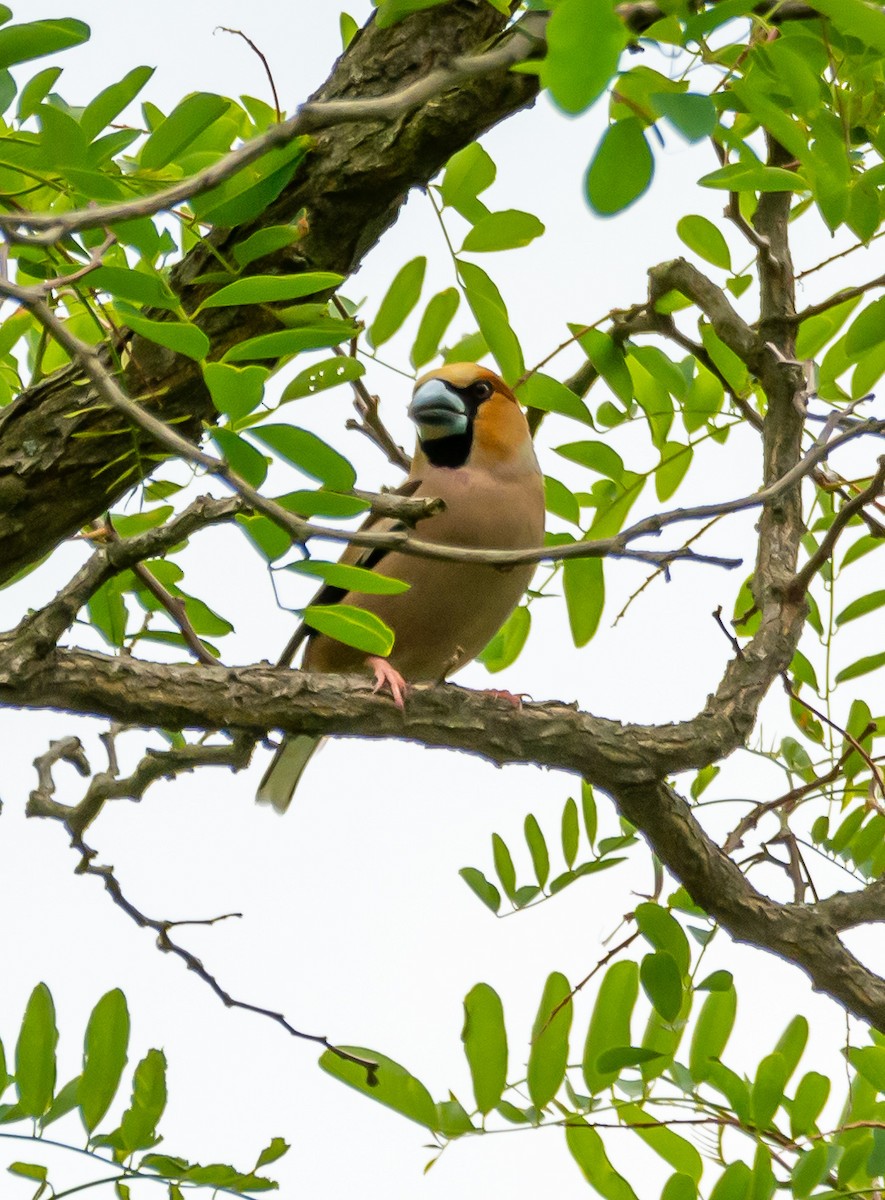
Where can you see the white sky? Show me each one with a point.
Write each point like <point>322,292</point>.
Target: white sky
<point>355,922</point>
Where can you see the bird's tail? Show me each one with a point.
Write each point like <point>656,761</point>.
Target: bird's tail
<point>286,768</point>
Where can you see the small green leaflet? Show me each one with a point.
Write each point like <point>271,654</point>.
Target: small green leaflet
<point>503,231</point>
<point>401,297</point>
<point>309,454</point>
<point>353,626</point>
<point>34,39</point>
<point>183,125</point>
<point>180,336</point>
<point>574,77</point>
<point>485,1044</point>
<point>705,239</point>
<point>621,169</point>
<point>440,310</point>
<point>323,375</point>
<point>388,1084</point>
<point>352,579</point>
<point>268,289</point>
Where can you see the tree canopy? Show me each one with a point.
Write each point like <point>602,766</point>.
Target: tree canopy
<point>178,284</point>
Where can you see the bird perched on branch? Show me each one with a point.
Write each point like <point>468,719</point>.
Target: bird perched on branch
<point>475,453</point>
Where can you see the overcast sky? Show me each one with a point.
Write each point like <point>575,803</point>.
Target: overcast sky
<point>355,923</point>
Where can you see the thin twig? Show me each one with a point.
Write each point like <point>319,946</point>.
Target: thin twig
<point>43,804</point>
<point>265,63</point>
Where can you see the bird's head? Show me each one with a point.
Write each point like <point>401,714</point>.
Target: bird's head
<point>466,412</point>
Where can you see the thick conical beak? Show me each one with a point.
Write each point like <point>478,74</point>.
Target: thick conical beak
<point>438,411</point>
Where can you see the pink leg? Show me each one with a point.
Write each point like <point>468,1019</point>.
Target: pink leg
<point>388,676</point>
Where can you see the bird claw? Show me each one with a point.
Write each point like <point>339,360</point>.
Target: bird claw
<point>514,698</point>
<point>388,676</point>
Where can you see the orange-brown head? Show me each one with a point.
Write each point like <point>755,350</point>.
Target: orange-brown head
<point>467,414</point>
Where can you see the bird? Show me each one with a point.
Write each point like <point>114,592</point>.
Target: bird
<point>475,453</point>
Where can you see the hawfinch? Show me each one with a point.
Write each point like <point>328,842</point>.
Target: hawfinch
<point>475,453</point>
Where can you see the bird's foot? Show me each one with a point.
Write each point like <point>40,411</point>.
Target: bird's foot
<point>515,699</point>
<point>388,676</point>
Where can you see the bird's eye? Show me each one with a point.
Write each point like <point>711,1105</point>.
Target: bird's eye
<point>482,390</point>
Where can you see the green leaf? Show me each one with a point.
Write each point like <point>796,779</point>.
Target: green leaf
<point>570,832</point>
<point>573,77</point>
<point>268,538</point>
<point>270,289</point>
<point>692,113</point>
<point>35,90</point>
<point>285,342</point>
<point>352,626</point>
<point>107,1040</point>
<point>673,1149</point>
<point>811,1095</point>
<point>866,330</point>
<point>35,1051</point>
<point>679,1187</point>
<point>243,458</point>
<point>717,981</point>
<point>610,1022</point>
<point>861,606</point>
<point>504,866</point>
<point>29,1171</point>
<point>856,19</point>
<point>35,39</point>
<point>180,336</point>
<point>661,929</point>
<point>537,845</point>
<point>235,391</point>
<point>662,983</point>
<point>323,375</point>
<point>249,193</point>
<point>734,1183</point>
<point>818,330</point>
<point>768,1089</point>
<point>264,242</point>
<point>560,501</point>
<point>712,1031</point>
<point>705,239</point>
<point>309,454</point>
<point>277,1148</point>
<point>467,173</point>
<point>753,177</point>
<point>481,887</point>
<point>352,579</point>
<point>549,395</point>
<point>597,456</point>
<point>506,646</point>
<point>485,1044</point>
<point>322,504</point>
<point>862,666</point>
<point>506,230</point>
<point>809,1170</point>
<point>672,469</point>
<point>584,587</point>
<point>401,297</point>
<point>138,1126</point>
<point>490,312</point>
<point>621,169</point>
<point>348,28</point>
<point>608,358</point>
<point>437,316</point>
<point>625,1056</point>
<point>184,125</point>
<point>588,811</point>
<point>588,1151</point>
<point>139,286</point>
<point>391,1085</point>
<point>107,612</point>
<point>548,1056</point>
<point>111,101</point>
